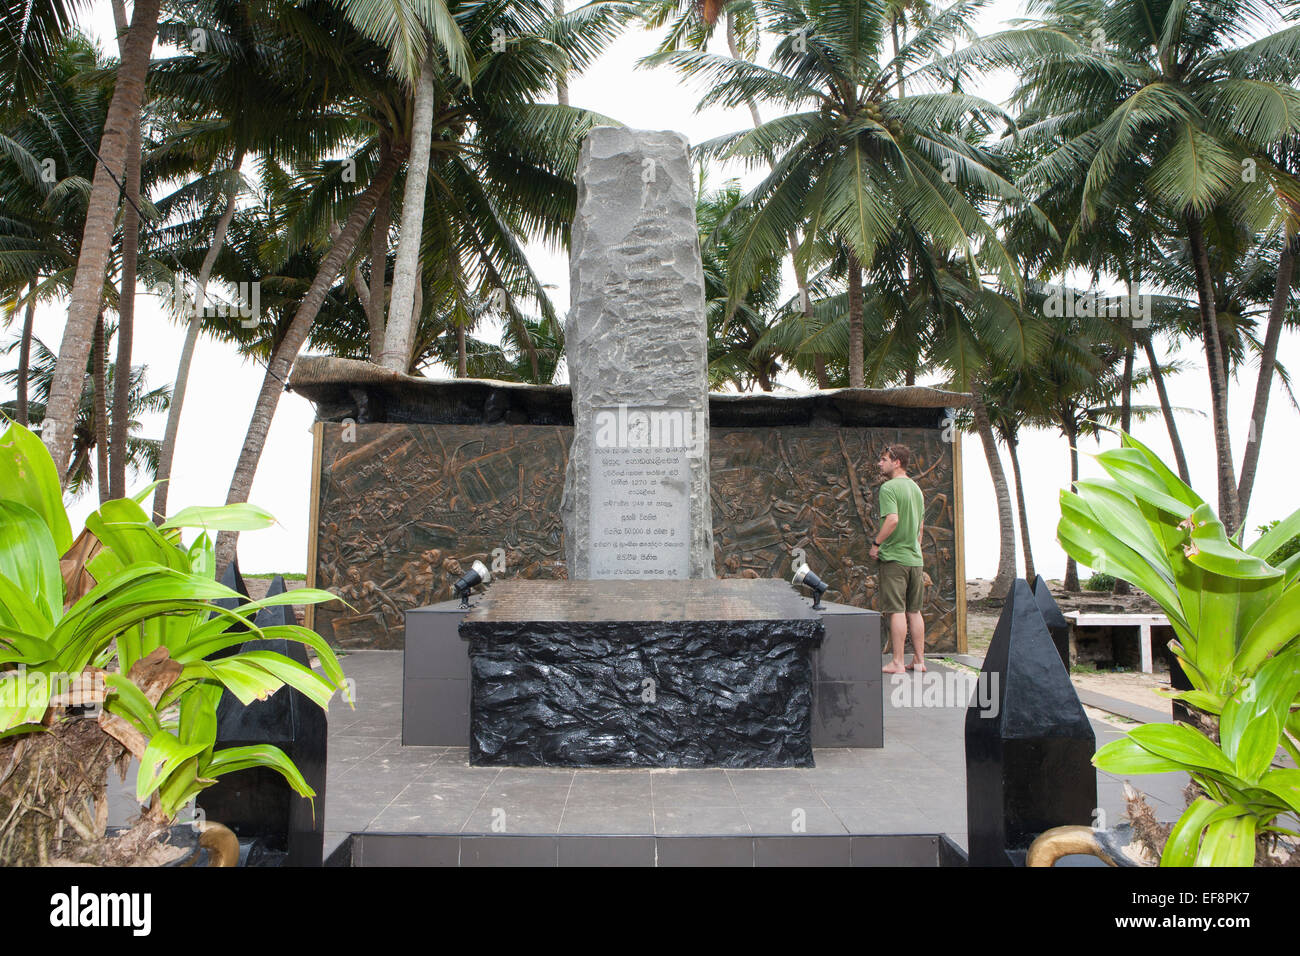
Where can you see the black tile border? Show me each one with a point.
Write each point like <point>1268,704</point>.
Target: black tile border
<point>584,849</point>
<point>341,855</point>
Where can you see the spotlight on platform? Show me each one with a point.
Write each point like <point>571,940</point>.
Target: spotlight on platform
<point>804,575</point>
<point>477,574</point>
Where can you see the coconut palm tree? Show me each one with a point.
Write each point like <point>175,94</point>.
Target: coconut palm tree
<point>101,210</point>
<point>224,94</point>
<point>82,470</point>
<point>1181,90</point>
<point>855,160</point>
<point>516,53</point>
<point>737,357</point>
<point>501,167</point>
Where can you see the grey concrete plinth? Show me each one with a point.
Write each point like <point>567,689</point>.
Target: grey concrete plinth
<point>636,494</point>
<point>435,678</point>
<point>848,687</point>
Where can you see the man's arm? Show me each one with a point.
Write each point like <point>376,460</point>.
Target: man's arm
<point>920,531</point>
<point>886,529</point>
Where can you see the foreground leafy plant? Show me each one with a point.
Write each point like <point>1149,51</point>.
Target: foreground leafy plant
<point>138,642</point>
<point>1237,618</point>
<point>1245,796</point>
<point>1229,607</point>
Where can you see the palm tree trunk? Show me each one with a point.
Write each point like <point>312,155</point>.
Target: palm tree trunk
<point>1126,392</point>
<point>1122,587</point>
<point>1071,429</point>
<point>898,67</point>
<point>1167,411</point>
<point>562,81</point>
<point>462,360</point>
<point>277,371</point>
<point>1229,507</point>
<point>125,321</point>
<point>855,322</point>
<point>379,265</point>
<point>168,450</point>
<point>100,405</point>
<point>417,309</point>
<point>1264,384</point>
<point>819,369</point>
<point>97,235</point>
<point>401,319</point>
<point>25,354</point>
<point>734,49</point>
<point>1006,574</point>
<point>1012,445</point>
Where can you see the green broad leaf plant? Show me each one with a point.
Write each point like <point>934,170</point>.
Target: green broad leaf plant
<point>1236,620</point>
<point>135,648</point>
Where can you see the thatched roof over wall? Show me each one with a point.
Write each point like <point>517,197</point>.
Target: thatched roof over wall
<point>347,388</point>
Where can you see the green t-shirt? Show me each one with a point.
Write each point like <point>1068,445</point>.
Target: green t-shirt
<point>902,496</point>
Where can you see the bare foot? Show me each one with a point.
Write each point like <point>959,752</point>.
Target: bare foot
<point>915,666</point>
<point>892,668</point>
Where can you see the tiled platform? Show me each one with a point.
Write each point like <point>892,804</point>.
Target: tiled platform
<point>914,785</point>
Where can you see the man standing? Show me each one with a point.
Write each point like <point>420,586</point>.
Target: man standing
<point>898,547</point>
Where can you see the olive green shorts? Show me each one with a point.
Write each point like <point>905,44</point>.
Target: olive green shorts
<point>901,588</point>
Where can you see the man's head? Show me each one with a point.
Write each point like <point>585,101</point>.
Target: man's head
<point>893,460</point>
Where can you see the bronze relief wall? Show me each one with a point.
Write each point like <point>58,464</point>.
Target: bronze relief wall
<point>401,509</point>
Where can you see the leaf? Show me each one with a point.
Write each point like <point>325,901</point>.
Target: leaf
<point>1229,842</point>
<point>1201,700</point>
<point>1182,744</point>
<point>130,703</point>
<point>123,527</point>
<point>233,517</point>
<point>144,492</point>
<point>229,759</point>
<point>1275,627</point>
<point>198,650</point>
<point>24,697</point>
<point>29,559</point>
<point>1284,783</point>
<point>1257,747</point>
<point>1130,469</point>
<point>19,612</point>
<point>1127,756</point>
<point>28,476</point>
<point>1084,537</point>
<point>289,671</point>
<point>246,681</point>
<point>163,755</point>
<point>1216,552</point>
<point>1185,838</point>
<point>1278,535</point>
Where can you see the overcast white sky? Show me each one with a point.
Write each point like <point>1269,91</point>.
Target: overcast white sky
<point>223,388</point>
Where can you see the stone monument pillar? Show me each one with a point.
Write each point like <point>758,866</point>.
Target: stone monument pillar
<point>636,492</point>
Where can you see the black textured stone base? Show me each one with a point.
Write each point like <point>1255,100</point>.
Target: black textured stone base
<point>705,693</point>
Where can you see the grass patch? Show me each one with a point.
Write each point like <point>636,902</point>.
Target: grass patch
<point>287,575</point>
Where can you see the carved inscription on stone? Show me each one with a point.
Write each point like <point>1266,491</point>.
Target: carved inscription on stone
<point>640,507</point>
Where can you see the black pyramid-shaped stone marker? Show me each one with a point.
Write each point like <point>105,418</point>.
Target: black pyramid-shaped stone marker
<point>232,579</point>
<point>1056,623</point>
<point>258,803</point>
<point>1029,748</point>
